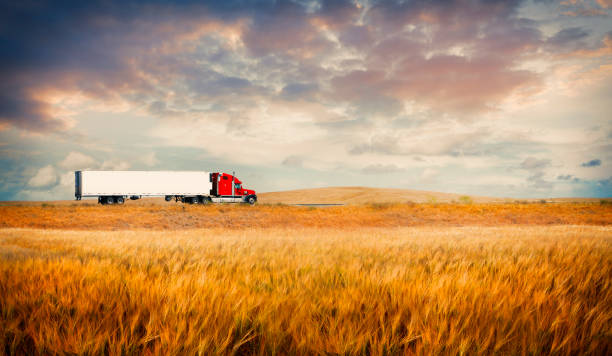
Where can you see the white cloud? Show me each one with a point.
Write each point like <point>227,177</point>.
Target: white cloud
<point>430,139</point>
<point>76,160</point>
<point>115,165</point>
<point>382,169</point>
<point>272,135</point>
<point>53,193</point>
<point>45,177</point>
<point>66,179</point>
<point>150,159</point>
<point>429,175</point>
<point>531,163</point>
<point>293,161</point>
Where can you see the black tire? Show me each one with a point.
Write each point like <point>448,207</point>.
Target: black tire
<point>251,200</point>
<point>119,200</point>
<point>203,200</point>
<point>191,200</point>
<point>168,197</point>
<point>108,200</point>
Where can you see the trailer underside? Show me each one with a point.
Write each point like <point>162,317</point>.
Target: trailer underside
<point>188,199</point>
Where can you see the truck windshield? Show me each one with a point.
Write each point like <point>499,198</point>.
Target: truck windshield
<point>238,186</point>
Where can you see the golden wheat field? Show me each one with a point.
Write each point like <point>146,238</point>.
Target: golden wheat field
<point>289,285</point>
<point>152,215</point>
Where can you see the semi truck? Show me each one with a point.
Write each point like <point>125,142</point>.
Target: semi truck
<point>191,187</point>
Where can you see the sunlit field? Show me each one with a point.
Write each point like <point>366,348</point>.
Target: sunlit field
<point>451,284</point>
<point>87,215</point>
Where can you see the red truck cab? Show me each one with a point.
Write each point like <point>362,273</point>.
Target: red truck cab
<point>223,183</point>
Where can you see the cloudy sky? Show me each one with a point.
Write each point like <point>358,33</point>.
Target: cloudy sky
<point>498,98</point>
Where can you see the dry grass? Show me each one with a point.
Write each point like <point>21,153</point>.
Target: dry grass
<point>178,216</point>
<point>367,291</point>
<point>275,279</point>
<point>364,195</point>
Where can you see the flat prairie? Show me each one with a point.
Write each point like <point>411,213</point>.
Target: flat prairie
<point>364,195</point>
<point>367,195</point>
<point>373,279</point>
<point>85,215</point>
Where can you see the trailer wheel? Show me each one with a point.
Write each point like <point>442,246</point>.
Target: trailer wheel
<point>251,200</point>
<point>191,200</point>
<point>119,200</point>
<point>108,200</point>
<point>168,197</point>
<point>204,200</point>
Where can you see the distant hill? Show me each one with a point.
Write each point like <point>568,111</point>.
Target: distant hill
<point>361,195</point>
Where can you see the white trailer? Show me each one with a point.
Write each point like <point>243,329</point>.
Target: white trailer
<point>113,187</point>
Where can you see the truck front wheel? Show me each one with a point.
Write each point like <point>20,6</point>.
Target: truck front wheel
<point>251,200</point>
